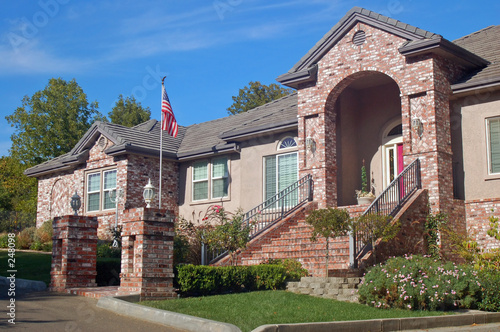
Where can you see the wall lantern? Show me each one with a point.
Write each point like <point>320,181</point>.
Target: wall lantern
<point>417,124</point>
<point>310,144</point>
<point>149,193</point>
<point>76,203</point>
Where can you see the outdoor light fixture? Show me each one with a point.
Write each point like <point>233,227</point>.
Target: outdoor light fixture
<point>149,193</point>
<point>418,125</point>
<point>76,203</point>
<point>310,144</point>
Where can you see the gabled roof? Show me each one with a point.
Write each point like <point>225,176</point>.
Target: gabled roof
<point>486,44</point>
<point>143,139</point>
<point>418,41</point>
<point>217,136</point>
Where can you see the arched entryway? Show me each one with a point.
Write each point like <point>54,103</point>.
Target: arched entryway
<point>368,131</point>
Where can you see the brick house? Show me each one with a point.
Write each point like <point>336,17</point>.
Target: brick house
<point>373,90</point>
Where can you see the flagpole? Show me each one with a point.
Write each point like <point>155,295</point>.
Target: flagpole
<point>161,144</point>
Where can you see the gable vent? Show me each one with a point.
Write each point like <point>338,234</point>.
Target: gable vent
<point>359,38</point>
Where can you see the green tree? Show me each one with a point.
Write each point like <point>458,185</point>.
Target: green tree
<point>51,122</point>
<point>128,112</point>
<point>328,223</point>
<point>17,191</point>
<point>256,94</point>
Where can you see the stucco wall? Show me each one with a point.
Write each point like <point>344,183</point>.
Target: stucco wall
<point>474,110</point>
<point>246,178</point>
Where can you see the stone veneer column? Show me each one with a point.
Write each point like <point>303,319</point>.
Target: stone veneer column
<point>148,253</point>
<point>73,253</point>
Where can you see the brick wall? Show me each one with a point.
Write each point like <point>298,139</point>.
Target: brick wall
<point>478,213</point>
<point>55,190</point>
<point>74,253</point>
<point>148,253</point>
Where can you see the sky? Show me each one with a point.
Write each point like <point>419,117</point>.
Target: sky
<point>207,49</point>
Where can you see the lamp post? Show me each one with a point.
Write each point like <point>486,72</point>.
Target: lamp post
<point>76,203</point>
<point>149,193</point>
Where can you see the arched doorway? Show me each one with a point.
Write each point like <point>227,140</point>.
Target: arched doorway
<point>367,104</point>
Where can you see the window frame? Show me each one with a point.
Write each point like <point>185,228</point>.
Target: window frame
<point>101,191</point>
<point>210,179</point>
<point>277,172</point>
<point>488,144</point>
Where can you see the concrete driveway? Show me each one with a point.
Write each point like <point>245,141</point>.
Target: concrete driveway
<point>44,311</point>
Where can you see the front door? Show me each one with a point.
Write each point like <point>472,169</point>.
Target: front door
<point>392,155</point>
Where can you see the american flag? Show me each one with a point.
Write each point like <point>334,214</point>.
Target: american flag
<point>169,124</point>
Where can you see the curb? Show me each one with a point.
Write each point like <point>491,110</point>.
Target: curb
<point>389,324</point>
<point>122,305</point>
<point>119,305</point>
<point>23,286</point>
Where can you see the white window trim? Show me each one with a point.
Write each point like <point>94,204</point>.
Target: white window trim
<point>279,148</point>
<point>277,170</point>
<point>488,145</point>
<point>210,179</point>
<point>101,189</point>
<point>193,181</point>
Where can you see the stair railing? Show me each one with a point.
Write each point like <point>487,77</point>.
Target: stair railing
<point>389,202</point>
<point>271,211</point>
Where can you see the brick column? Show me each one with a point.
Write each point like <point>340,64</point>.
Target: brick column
<point>73,253</point>
<point>148,253</point>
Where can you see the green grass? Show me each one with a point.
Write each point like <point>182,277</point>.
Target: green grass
<point>250,310</point>
<point>29,265</point>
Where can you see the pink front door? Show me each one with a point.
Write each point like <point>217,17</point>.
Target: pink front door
<point>401,165</point>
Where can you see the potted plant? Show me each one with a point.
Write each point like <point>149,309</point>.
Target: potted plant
<point>364,195</point>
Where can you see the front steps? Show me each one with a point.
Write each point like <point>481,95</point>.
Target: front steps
<point>337,288</point>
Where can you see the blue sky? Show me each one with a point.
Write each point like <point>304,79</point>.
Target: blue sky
<point>207,49</point>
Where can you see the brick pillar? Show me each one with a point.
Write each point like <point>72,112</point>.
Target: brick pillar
<point>148,253</point>
<point>73,252</point>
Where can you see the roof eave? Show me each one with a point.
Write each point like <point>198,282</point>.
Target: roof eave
<point>128,148</point>
<point>67,163</point>
<point>467,87</point>
<point>445,47</point>
<point>215,150</point>
<point>293,80</point>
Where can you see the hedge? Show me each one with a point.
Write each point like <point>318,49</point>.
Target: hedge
<point>196,280</point>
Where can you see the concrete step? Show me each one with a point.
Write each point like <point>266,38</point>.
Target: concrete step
<point>338,288</point>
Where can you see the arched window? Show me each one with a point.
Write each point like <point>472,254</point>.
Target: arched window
<point>286,143</point>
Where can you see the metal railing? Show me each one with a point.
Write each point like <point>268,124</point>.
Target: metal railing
<point>389,202</point>
<point>271,211</point>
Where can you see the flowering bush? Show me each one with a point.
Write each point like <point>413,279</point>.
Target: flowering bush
<point>420,283</point>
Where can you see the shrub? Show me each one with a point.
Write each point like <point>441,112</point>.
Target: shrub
<point>420,283</point>
<point>4,240</point>
<point>204,280</point>
<point>293,268</point>
<point>181,249</point>
<point>490,284</point>
<point>25,238</point>
<point>44,233</point>
<point>105,250</point>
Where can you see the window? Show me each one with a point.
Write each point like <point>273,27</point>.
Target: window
<point>280,172</point>
<point>288,142</point>
<point>99,187</point>
<point>493,132</point>
<point>215,174</point>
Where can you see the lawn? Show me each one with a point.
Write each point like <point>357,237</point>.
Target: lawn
<point>250,310</point>
<point>29,265</point>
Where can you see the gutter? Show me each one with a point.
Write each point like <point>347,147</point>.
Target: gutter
<point>225,149</point>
